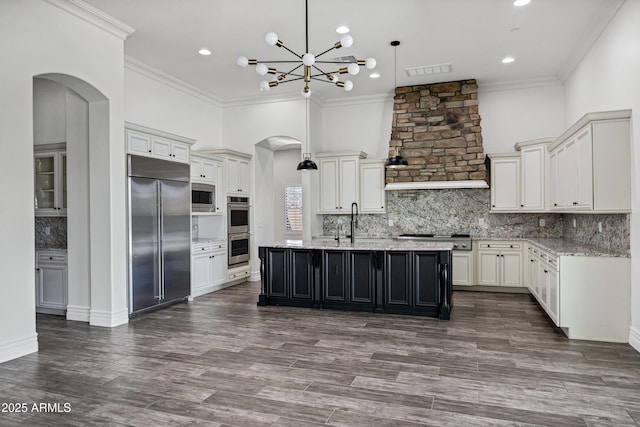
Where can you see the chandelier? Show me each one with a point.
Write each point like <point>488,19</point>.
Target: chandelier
<point>307,67</point>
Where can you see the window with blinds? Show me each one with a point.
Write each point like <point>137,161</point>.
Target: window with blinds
<point>292,208</point>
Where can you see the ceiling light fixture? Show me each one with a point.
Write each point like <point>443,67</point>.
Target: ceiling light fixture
<point>307,62</point>
<point>508,60</point>
<point>307,164</point>
<point>521,2</point>
<point>374,75</point>
<point>204,51</point>
<point>342,29</point>
<point>395,161</point>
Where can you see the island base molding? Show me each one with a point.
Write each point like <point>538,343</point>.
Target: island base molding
<point>411,282</point>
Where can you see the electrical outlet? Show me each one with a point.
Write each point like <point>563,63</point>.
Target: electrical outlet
<point>390,222</point>
<point>542,222</point>
<point>481,221</point>
<point>599,227</point>
<point>574,222</point>
<point>47,231</point>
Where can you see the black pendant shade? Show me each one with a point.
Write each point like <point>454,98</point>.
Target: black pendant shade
<point>306,165</point>
<point>395,162</point>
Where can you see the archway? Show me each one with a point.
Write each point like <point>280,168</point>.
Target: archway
<point>86,131</point>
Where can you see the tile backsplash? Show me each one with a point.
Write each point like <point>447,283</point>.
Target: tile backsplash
<point>467,211</point>
<point>57,236</point>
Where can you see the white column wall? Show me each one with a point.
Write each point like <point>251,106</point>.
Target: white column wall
<point>78,224</point>
<point>607,79</point>
<point>40,38</point>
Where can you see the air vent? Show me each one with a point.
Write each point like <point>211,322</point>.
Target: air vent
<point>349,58</point>
<point>427,70</point>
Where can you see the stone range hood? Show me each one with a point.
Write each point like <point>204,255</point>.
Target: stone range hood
<point>436,127</point>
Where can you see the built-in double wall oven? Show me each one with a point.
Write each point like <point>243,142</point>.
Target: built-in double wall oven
<point>238,230</point>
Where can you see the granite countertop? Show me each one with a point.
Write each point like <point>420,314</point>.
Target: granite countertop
<point>563,247</point>
<point>566,247</point>
<point>363,244</point>
<point>50,249</point>
<point>204,240</point>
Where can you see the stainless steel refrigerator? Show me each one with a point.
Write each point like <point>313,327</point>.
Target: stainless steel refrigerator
<point>159,233</point>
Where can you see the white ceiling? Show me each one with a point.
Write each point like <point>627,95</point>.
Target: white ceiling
<point>473,35</point>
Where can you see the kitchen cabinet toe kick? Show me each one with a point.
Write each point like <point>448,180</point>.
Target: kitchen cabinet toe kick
<point>412,282</point>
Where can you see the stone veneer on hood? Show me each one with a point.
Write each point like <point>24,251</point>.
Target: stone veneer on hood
<point>436,127</point>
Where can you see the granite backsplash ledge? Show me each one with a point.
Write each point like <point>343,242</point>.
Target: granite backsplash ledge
<point>461,211</point>
<point>57,237</point>
<point>445,212</point>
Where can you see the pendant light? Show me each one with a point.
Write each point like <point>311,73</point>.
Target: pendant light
<point>396,161</point>
<point>307,164</point>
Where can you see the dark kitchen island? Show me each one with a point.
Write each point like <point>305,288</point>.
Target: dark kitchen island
<point>378,275</point>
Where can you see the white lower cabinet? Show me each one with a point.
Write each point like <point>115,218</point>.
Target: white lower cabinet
<point>462,268</point>
<point>51,282</point>
<point>209,268</point>
<point>542,280</point>
<point>586,296</point>
<point>499,263</point>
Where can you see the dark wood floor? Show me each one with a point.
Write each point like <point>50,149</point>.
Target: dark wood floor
<point>221,360</point>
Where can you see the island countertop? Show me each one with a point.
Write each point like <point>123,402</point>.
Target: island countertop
<point>363,244</point>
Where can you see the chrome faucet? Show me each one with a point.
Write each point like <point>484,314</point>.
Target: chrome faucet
<point>339,228</point>
<point>354,221</point>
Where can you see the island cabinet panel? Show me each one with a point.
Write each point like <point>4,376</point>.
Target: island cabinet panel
<point>362,278</point>
<point>289,276</point>
<point>277,270</point>
<point>426,279</point>
<point>335,277</point>
<point>301,274</point>
<point>398,279</point>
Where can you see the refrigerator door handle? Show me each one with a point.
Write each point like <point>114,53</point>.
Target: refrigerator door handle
<point>158,239</point>
<point>161,234</point>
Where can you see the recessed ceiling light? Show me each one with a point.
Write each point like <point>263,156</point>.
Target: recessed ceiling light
<point>508,60</point>
<point>342,29</point>
<point>204,51</point>
<point>521,2</point>
<point>374,75</point>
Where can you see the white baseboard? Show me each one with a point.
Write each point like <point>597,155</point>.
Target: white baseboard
<point>18,348</point>
<point>108,319</point>
<point>78,313</point>
<point>254,277</point>
<point>634,338</point>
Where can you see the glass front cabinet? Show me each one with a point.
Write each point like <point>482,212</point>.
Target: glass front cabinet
<point>50,182</point>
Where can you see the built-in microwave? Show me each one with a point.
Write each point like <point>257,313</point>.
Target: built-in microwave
<point>238,215</point>
<point>203,197</point>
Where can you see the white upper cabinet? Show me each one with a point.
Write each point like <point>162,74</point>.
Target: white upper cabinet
<point>590,165</point>
<point>533,174</point>
<point>372,195</point>
<point>505,182</point>
<point>204,169</point>
<point>238,176</point>
<point>518,179</point>
<point>339,181</point>
<point>147,142</point>
<point>238,171</point>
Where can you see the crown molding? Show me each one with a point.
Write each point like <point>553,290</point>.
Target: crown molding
<point>95,17</point>
<point>519,84</point>
<point>587,41</point>
<point>359,100</point>
<point>167,79</point>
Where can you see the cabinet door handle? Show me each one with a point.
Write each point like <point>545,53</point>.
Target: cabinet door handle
<point>545,272</point>
<point>50,257</point>
<point>555,204</point>
<point>522,206</point>
<point>493,206</point>
<point>149,150</point>
<point>488,246</point>
<point>531,260</point>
